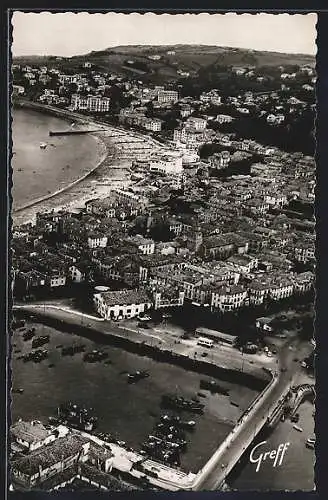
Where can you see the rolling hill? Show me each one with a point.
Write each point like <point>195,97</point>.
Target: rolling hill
<point>127,60</point>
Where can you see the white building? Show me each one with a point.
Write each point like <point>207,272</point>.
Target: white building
<point>275,119</point>
<point>167,96</point>
<point>97,240</point>
<point>67,78</point>
<point>224,118</point>
<point>198,124</point>
<point>126,197</point>
<point>145,245</point>
<point>57,280</point>
<point>281,290</point>
<point>122,303</point>
<point>162,300</point>
<point>228,298</point>
<point>90,103</point>
<point>31,435</point>
<point>18,89</point>
<point>167,164</point>
<point>276,199</point>
<point>153,124</point>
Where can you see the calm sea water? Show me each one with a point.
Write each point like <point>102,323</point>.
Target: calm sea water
<point>38,172</point>
<point>123,409</point>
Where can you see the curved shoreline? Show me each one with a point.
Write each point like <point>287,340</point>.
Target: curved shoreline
<point>68,186</point>
<point>48,110</point>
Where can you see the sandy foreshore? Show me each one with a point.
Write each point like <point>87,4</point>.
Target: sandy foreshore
<point>111,170</point>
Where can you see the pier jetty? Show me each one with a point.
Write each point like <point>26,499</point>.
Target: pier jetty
<point>73,132</point>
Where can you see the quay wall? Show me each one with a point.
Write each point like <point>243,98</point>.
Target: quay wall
<point>159,354</point>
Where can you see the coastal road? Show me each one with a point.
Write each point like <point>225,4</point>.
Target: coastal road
<point>215,471</point>
<point>223,357</point>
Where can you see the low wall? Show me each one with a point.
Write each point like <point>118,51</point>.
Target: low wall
<point>143,349</point>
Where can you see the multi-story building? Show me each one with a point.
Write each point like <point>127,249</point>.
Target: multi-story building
<point>48,461</point>
<point>228,298</point>
<point>125,197</point>
<point>57,279</point>
<point>168,298</point>
<point>167,96</point>
<point>243,263</point>
<point>98,104</point>
<point>153,124</point>
<point>169,164</point>
<point>18,89</point>
<point>224,118</point>
<point>90,103</point>
<point>122,303</point>
<point>144,245</point>
<point>198,124</point>
<point>97,240</point>
<point>304,252</point>
<point>303,282</point>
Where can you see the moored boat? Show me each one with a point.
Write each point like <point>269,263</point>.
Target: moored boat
<point>39,341</point>
<point>76,416</point>
<point>138,375</point>
<point>17,391</point>
<point>213,386</point>
<point>29,334</point>
<point>180,403</point>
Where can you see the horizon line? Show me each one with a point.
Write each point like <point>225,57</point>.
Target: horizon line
<point>274,51</point>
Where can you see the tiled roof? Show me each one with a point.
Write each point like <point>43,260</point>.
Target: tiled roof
<point>125,297</point>
<point>31,432</point>
<point>47,456</point>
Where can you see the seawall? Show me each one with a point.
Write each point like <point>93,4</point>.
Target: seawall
<point>143,349</point>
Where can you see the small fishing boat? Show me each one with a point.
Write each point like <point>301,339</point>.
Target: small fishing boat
<point>17,391</point>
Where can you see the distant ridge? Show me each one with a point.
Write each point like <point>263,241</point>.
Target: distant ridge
<point>188,58</point>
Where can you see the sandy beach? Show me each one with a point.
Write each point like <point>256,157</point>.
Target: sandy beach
<point>117,148</point>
